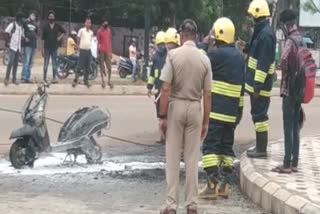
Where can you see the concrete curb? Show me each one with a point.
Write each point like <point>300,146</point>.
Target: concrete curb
<point>95,90</point>
<point>270,196</point>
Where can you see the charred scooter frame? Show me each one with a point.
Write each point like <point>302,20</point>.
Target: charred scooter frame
<point>76,137</point>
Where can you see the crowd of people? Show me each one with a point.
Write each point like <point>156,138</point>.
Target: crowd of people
<point>218,71</point>
<point>21,36</point>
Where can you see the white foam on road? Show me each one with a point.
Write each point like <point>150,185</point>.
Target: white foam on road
<point>53,165</point>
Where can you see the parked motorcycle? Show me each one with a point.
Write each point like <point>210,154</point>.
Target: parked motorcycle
<point>6,57</point>
<point>125,67</point>
<point>77,135</point>
<point>68,65</point>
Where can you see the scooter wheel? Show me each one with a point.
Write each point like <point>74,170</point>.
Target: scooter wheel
<point>63,71</point>
<point>95,155</point>
<point>20,155</point>
<point>122,73</point>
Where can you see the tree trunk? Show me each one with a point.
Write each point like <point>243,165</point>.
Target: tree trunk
<point>280,6</point>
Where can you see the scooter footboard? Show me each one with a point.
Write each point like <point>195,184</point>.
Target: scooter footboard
<point>65,146</point>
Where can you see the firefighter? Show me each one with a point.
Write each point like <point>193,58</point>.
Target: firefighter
<point>157,64</point>
<point>259,75</point>
<point>227,92</point>
<point>172,38</point>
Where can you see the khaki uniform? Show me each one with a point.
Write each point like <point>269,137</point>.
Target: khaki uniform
<point>188,71</point>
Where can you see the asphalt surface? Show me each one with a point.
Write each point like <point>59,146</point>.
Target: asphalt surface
<point>133,117</point>
<point>128,191</point>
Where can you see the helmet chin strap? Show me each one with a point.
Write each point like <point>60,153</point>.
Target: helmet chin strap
<point>284,30</point>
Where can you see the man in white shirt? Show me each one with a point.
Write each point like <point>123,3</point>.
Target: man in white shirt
<point>16,34</point>
<point>133,58</point>
<point>85,36</point>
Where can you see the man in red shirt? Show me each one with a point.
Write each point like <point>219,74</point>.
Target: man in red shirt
<point>105,51</point>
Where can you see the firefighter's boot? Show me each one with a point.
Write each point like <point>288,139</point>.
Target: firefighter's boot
<point>261,149</point>
<point>211,190</point>
<point>224,185</point>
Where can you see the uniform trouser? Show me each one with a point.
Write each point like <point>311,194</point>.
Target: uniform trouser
<point>259,113</point>
<point>183,135</point>
<point>291,124</point>
<point>218,148</point>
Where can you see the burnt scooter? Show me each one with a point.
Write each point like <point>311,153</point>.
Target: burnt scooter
<point>77,135</point>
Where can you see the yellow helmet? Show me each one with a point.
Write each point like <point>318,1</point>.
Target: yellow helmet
<point>224,30</point>
<point>173,36</point>
<point>259,8</point>
<point>160,37</point>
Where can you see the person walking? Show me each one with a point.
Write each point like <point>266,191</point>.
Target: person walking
<point>15,34</point>
<point>85,36</point>
<point>259,74</point>
<point>30,45</point>
<point>155,72</point>
<point>228,73</point>
<point>186,77</point>
<point>104,37</point>
<point>291,108</point>
<point>133,58</point>
<point>52,35</point>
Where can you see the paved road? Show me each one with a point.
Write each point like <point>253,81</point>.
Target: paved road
<point>133,117</point>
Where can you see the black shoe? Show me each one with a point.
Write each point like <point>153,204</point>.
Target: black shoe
<point>54,81</point>
<point>26,81</point>
<point>15,82</point>
<point>6,82</point>
<point>87,84</point>
<point>110,85</point>
<point>261,147</point>
<point>103,85</point>
<point>74,84</point>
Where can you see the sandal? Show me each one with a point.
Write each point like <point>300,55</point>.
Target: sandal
<point>282,170</point>
<point>110,85</point>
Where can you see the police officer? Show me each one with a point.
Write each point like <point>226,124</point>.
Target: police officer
<point>186,77</point>
<point>228,77</point>
<point>157,64</point>
<point>259,75</point>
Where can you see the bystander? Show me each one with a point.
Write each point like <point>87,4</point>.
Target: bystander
<point>30,45</point>
<point>52,35</point>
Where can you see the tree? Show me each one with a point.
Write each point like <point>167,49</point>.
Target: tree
<point>312,6</point>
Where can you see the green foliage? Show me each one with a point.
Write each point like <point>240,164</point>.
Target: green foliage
<point>312,6</point>
<point>130,13</point>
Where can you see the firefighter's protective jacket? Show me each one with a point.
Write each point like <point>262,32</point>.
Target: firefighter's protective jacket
<point>228,71</point>
<point>261,66</point>
<point>157,65</point>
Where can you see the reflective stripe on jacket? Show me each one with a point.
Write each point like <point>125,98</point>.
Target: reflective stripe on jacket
<point>157,65</point>
<point>227,85</point>
<point>261,65</point>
